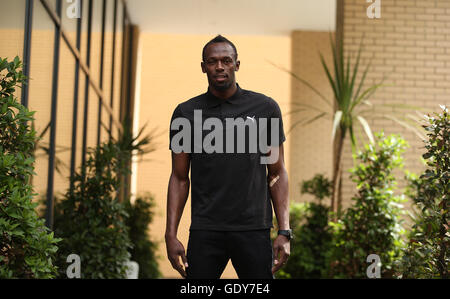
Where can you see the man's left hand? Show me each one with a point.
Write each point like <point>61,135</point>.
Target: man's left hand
<point>281,250</point>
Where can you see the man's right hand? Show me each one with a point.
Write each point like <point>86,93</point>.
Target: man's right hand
<point>175,251</point>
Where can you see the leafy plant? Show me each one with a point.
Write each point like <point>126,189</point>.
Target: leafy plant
<point>132,146</point>
<point>319,186</point>
<point>27,248</point>
<point>144,249</point>
<point>42,149</point>
<point>428,252</point>
<point>98,204</point>
<point>312,236</point>
<point>90,218</point>
<point>372,225</point>
<point>350,96</point>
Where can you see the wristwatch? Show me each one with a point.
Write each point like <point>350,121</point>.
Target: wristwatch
<point>287,233</point>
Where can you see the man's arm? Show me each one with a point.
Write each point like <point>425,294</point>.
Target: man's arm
<point>278,184</point>
<point>177,195</point>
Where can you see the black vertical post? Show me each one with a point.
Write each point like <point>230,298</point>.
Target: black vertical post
<point>27,49</point>
<point>51,161</point>
<point>130,63</point>
<point>75,102</point>
<point>124,93</point>
<point>113,68</point>
<point>86,91</point>
<point>102,58</point>
<point>125,68</point>
<point>128,121</point>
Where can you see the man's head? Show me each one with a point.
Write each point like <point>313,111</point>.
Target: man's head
<point>220,63</point>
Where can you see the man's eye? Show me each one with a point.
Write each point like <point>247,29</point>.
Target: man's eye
<point>214,62</point>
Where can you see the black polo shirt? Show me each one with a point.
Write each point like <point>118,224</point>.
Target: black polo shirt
<point>229,190</point>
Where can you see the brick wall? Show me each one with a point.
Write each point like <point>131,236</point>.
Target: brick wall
<point>310,145</point>
<point>410,45</point>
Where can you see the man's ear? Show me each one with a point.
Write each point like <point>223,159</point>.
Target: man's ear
<point>202,64</point>
<point>238,64</point>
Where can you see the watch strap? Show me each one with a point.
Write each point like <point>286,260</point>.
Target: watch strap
<point>287,233</point>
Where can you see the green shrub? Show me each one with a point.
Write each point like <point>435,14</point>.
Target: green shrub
<point>312,236</point>
<point>372,225</point>
<point>428,251</point>
<point>91,220</point>
<point>144,250</point>
<point>27,248</point>
<point>92,216</point>
<point>319,186</point>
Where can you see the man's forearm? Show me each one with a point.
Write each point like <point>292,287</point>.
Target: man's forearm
<point>176,200</point>
<point>280,197</point>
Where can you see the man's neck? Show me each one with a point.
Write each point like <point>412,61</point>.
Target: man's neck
<point>224,94</point>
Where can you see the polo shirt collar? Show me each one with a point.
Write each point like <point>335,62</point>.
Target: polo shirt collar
<point>212,100</point>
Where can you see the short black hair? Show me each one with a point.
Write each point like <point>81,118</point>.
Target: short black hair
<point>219,39</point>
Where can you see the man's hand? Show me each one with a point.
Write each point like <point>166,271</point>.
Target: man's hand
<point>281,250</point>
<point>175,250</point>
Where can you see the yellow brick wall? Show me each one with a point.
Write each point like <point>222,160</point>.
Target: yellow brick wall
<point>410,45</point>
<point>310,145</point>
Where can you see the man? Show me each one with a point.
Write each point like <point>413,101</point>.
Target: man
<point>232,189</point>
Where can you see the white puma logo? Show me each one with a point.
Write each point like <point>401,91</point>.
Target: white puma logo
<point>252,118</point>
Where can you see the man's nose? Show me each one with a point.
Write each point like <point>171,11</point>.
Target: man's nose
<point>219,66</point>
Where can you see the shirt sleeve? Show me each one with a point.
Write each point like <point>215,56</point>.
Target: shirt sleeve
<point>276,115</point>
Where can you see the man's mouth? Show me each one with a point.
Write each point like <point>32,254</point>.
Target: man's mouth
<point>220,78</point>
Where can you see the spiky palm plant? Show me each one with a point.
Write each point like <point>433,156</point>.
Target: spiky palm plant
<point>350,96</point>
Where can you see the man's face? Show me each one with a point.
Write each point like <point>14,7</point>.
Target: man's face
<point>220,65</point>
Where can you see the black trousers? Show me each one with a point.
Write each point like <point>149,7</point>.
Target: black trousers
<point>250,252</point>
